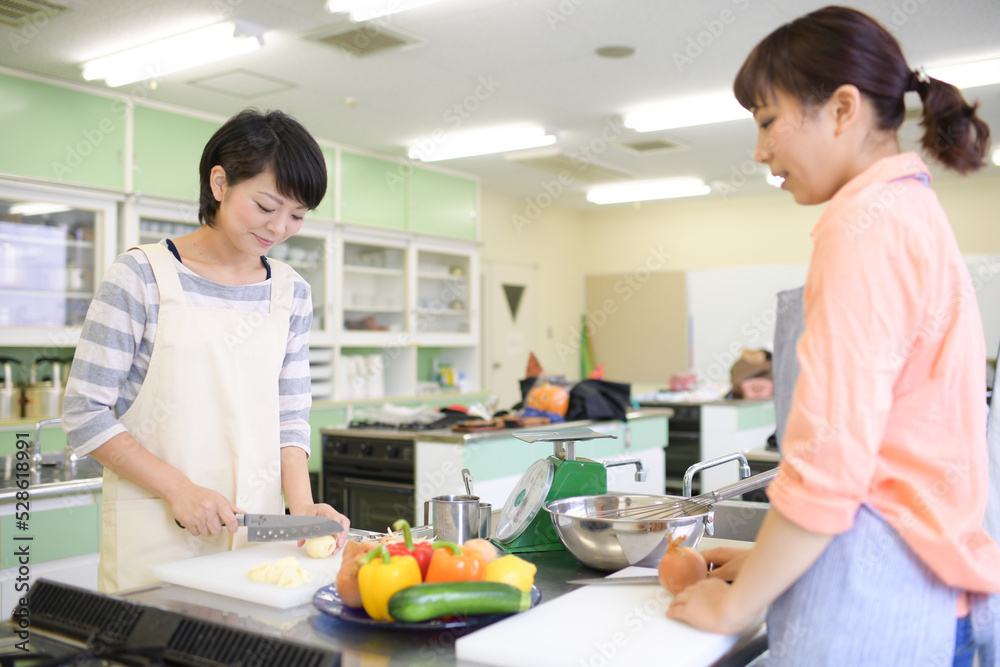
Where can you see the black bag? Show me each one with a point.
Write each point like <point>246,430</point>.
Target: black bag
<point>599,400</point>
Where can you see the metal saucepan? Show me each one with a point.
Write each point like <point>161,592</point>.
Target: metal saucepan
<point>599,532</point>
<point>43,398</point>
<point>10,394</point>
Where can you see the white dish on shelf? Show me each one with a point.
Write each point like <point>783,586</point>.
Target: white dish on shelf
<point>320,355</point>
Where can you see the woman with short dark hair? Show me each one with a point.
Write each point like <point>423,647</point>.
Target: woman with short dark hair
<point>190,384</point>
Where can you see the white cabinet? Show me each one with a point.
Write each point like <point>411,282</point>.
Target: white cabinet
<point>408,315</point>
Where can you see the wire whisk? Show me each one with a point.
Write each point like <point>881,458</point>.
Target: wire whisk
<point>672,507</point>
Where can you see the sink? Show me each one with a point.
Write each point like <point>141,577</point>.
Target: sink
<point>53,470</point>
<point>739,519</point>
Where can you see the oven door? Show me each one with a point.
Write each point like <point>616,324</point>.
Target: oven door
<point>372,504</point>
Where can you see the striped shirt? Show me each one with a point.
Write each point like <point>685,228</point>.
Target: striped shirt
<point>112,356</point>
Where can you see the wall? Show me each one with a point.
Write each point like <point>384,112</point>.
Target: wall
<point>692,234</point>
<point>552,241</point>
<point>767,229</point>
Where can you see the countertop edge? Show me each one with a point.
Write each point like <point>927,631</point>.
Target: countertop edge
<point>446,436</point>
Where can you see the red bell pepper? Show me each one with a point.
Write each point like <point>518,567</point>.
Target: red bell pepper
<point>421,552</point>
<point>451,563</point>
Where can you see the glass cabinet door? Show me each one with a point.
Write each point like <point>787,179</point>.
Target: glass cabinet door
<point>155,229</point>
<point>308,252</point>
<point>48,262</point>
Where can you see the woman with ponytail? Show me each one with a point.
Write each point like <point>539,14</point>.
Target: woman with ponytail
<point>873,551</point>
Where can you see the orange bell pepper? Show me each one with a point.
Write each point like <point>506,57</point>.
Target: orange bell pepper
<point>451,563</point>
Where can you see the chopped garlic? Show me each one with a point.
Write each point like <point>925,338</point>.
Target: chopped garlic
<point>285,572</point>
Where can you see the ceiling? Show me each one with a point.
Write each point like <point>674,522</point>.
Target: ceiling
<point>483,63</point>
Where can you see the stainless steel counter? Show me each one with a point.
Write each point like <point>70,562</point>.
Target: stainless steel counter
<point>54,478</point>
<point>452,437</point>
<point>365,644</point>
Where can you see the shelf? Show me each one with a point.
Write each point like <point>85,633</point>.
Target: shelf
<point>443,311</point>
<point>373,309</point>
<point>442,276</point>
<point>372,270</point>
<point>20,291</point>
<point>42,240</point>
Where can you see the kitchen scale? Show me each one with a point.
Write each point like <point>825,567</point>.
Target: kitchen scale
<point>523,524</point>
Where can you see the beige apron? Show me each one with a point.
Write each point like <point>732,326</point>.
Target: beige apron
<point>209,407</point>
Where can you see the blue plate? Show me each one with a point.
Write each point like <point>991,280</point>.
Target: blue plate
<point>328,602</point>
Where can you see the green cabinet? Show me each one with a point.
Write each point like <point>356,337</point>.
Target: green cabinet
<point>60,532</point>
<point>167,149</point>
<point>59,134</point>
<point>327,208</point>
<point>443,205</point>
<point>372,191</point>
<point>389,194</point>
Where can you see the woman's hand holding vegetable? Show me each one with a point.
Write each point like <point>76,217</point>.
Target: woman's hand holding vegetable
<point>725,562</point>
<point>326,511</point>
<point>782,553</point>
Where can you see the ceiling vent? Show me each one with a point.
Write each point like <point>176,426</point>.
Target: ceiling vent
<point>364,39</point>
<point>23,12</point>
<point>650,146</point>
<point>556,162</point>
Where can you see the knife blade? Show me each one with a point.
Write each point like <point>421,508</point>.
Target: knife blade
<point>651,579</point>
<point>281,527</point>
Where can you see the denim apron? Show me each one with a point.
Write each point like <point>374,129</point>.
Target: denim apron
<point>868,600</point>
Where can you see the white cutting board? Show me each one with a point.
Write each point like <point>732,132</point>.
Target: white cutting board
<point>225,573</point>
<point>598,626</point>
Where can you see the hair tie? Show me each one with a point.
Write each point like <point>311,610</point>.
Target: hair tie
<point>917,77</point>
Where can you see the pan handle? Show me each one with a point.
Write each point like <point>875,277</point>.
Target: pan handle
<point>750,483</point>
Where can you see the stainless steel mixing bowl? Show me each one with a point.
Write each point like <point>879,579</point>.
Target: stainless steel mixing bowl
<point>603,532</point>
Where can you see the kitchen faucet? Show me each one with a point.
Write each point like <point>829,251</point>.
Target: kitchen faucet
<point>36,446</point>
<point>711,463</point>
<point>640,470</point>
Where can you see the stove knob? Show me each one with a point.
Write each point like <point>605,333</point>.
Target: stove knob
<point>366,449</point>
<point>341,447</point>
<point>392,451</point>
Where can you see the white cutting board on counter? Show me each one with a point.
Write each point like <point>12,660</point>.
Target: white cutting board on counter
<point>598,626</point>
<point>225,573</point>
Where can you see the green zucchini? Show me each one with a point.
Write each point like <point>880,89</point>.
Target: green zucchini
<point>466,598</point>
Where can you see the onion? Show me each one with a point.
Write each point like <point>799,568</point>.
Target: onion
<point>485,547</point>
<point>681,566</point>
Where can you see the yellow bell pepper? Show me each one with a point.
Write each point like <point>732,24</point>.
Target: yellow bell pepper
<point>382,575</point>
<point>512,570</point>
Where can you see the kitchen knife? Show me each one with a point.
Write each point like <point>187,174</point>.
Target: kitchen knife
<point>281,527</point>
<point>651,579</point>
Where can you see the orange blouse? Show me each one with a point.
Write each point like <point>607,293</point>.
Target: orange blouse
<point>890,405</point>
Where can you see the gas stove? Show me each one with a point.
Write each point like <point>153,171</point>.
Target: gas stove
<point>74,626</point>
<point>445,421</point>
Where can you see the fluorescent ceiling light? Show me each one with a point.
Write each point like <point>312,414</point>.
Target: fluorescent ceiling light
<point>776,181</point>
<point>703,110</point>
<point>172,54</point>
<point>366,10</point>
<point>646,190</point>
<point>37,208</point>
<point>968,75</point>
<point>448,146</point>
